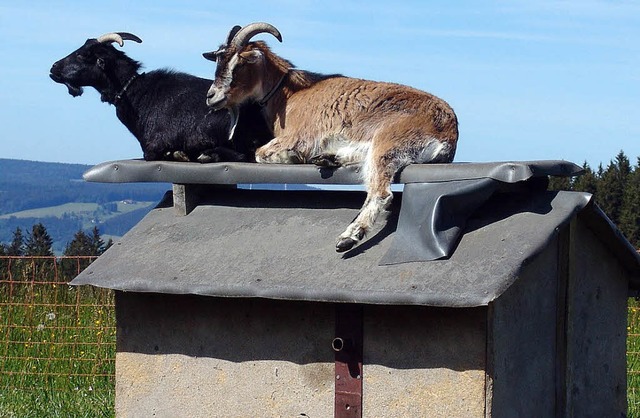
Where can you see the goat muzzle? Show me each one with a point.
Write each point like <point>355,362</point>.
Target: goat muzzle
<point>216,101</point>
<point>55,75</point>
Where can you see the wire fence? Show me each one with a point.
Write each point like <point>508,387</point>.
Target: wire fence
<point>54,337</point>
<point>61,338</point>
<point>633,358</point>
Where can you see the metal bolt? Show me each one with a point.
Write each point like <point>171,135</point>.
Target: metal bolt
<point>337,344</point>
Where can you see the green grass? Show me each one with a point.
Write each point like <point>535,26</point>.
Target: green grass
<point>633,358</point>
<point>57,347</point>
<point>47,403</point>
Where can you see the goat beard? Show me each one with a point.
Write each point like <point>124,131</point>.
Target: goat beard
<point>233,113</point>
<point>73,90</point>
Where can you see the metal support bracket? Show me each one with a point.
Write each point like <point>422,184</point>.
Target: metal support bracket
<point>185,198</point>
<point>348,361</point>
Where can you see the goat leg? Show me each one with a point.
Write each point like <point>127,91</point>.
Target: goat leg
<point>279,151</point>
<point>357,230</point>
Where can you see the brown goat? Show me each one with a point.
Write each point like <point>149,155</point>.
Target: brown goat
<point>333,120</point>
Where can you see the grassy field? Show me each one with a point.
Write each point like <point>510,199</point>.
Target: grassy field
<point>633,358</point>
<point>58,346</point>
<point>81,210</point>
<point>58,343</point>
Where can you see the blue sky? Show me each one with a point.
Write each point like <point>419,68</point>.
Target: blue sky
<point>529,80</point>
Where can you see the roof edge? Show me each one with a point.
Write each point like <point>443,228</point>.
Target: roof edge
<point>228,173</point>
<point>595,218</point>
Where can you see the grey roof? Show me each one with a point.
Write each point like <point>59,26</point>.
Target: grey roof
<point>280,244</point>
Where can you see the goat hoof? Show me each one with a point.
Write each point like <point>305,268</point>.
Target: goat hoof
<point>325,160</point>
<point>180,156</point>
<point>295,157</point>
<point>345,244</point>
<point>279,157</point>
<point>204,159</point>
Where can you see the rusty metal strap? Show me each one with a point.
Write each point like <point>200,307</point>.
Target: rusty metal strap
<point>348,361</point>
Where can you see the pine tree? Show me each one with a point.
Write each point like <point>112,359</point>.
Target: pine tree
<point>559,183</point>
<point>84,244</point>
<point>587,182</point>
<point>80,245</point>
<point>630,212</point>
<point>16,248</point>
<point>610,189</point>
<point>107,245</point>
<point>97,244</point>
<point>39,242</point>
<point>4,264</point>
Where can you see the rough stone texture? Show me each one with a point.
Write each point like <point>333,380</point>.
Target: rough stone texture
<point>522,342</point>
<point>181,355</point>
<point>596,331</point>
<point>187,356</point>
<point>421,362</point>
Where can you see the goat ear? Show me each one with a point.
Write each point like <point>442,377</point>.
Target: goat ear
<point>211,56</point>
<point>100,63</point>
<point>250,56</point>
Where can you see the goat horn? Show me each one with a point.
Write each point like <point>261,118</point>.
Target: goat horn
<point>118,37</point>
<point>245,34</point>
<point>232,33</point>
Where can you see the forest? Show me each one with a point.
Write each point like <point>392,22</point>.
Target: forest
<point>38,243</point>
<point>616,189</point>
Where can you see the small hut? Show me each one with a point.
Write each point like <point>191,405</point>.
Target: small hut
<point>481,294</point>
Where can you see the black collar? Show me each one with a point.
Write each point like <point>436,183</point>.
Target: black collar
<point>273,91</point>
<point>119,95</point>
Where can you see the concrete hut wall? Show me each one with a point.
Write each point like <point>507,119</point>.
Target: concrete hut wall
<point>596,308</point>
<point>557,339</point>
<point>195,356</point>
<point>521,341</point>
<point>184,355</point>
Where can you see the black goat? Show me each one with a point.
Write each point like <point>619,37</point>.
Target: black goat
<point>164,110</point>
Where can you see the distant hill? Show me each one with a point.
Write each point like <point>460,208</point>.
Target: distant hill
<point>56,195</point>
